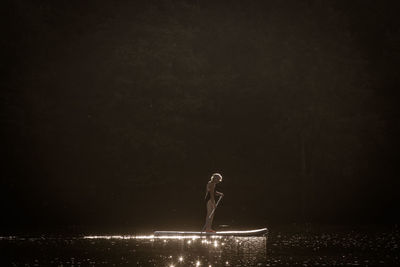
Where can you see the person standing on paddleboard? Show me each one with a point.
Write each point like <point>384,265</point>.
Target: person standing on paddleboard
<point>211,192</point>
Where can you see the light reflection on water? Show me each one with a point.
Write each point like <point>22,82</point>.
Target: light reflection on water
<point>197,250</point>
<point>200,250</point>
<point>210,251</point>
<point>292,247</point>
<point>146,250</point>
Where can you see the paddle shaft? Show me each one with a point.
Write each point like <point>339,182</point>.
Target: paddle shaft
<point>212,212</point>
<point>216,205</point>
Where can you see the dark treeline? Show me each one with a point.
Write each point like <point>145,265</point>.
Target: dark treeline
<point>117,113</point>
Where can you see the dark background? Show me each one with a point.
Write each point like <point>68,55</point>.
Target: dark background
<point>115,114</point>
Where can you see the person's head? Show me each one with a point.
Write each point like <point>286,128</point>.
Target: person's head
<point>216,178</point>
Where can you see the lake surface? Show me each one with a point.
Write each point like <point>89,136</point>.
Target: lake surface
<point>326,247</point>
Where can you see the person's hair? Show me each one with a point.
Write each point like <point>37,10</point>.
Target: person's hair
<point>215,176</point>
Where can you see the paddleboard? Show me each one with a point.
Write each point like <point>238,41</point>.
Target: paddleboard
<point>257,232</point>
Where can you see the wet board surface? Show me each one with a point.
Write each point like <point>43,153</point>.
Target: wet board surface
<point>256,232</point>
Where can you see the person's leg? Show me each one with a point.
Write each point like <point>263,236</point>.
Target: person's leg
<point>208,219</point>
<point>212,218</point>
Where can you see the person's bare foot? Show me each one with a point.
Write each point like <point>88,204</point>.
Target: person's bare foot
<point>210,231</point>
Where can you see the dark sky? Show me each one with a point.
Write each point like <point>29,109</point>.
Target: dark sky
<point>114,115</point>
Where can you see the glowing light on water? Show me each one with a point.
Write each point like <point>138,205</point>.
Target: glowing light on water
<point>199,254</point>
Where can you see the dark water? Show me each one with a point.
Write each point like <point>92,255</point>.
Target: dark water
<point>343,247</point>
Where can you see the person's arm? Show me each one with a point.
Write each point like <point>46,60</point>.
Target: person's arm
<point>219,193</point>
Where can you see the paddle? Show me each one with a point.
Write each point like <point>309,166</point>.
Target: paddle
<point>212,212</point>
<point>216,205</point>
